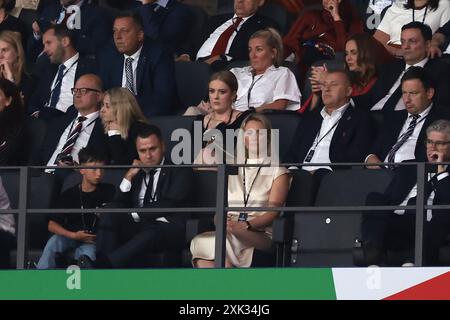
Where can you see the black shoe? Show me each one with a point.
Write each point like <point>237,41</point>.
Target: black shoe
<point>373,254</point>
<point>84,262</point>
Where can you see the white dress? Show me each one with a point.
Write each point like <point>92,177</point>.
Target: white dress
<point>202,246</point>
<point>274,84</point>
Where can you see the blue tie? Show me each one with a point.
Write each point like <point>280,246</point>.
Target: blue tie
<point>54,97</point>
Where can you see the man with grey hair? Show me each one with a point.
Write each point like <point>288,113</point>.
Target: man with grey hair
<point>384,230</point>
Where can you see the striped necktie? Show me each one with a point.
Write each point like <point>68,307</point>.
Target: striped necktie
<point>72,137</point>
<point>402,139</point>
<point>129,75</point>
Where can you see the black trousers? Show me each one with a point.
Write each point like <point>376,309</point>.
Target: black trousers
<point>126,243</point>
<point>7,242</point>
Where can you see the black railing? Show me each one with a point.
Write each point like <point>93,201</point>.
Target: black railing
<point>220,209</point>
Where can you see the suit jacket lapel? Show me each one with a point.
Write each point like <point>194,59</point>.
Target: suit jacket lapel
<point>161,183</point>
<point>343,128</point>
<point>140,69</point>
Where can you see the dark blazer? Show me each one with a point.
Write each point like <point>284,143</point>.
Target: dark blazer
<point>173,190</point>
<point>98,138</point>
<point>389,73</point>
<point>350,141</point>
<point>45,74</point>
<point>239,47</point>
<point>95,32</point>
<point>155,79</point>
<point>392,126</point>
<point>168,25</point>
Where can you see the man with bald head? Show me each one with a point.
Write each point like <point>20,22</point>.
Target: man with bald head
<point>338,133</point>
<point>68,134</point>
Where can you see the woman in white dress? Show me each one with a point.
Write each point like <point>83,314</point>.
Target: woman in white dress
<point>252,187</point>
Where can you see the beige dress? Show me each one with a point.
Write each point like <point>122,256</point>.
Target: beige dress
<point>240,255</point>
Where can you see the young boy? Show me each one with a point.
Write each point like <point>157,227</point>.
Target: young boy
<point>75,230</point>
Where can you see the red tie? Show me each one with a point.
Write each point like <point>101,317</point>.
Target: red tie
<point>222,42</point>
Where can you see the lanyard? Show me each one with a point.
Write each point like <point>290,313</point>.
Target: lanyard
<point>245,194</point>
<point>152,193</point>
<point>424,14</point>
<point>58,82</point>
<point>73,122</point>
<point>85,228</point>
<point>326,134</point>
<point>250,89</point>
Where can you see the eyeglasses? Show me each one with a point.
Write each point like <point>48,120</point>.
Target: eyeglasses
<point>437,144</point>
<point>82,91</point>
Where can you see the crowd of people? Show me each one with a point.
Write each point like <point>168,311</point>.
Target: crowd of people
<point>96,81</point>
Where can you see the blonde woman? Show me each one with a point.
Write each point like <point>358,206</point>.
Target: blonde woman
<point>251,187</point>
<point>121,117</point>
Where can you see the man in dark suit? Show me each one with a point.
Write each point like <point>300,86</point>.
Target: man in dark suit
<point>386,93</point>
<point>67,135</point>
<point>91,34</point>
<point>383,230</point>
<point>141,65</point>
<point>165,21</point>
<point>340,132</point>
<point>240,26</point>
<point>403,132</point>
<point>57,75</point>
<point>124,239</point>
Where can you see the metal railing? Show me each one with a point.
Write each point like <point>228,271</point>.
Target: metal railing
<point>220,209</point>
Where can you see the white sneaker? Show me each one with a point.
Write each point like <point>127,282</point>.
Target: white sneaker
<point>408,264</point>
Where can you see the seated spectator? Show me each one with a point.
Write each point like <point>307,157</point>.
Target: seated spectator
<point>67,135</point>
<point>319,34</point>
<point>265,187</point>
<point>122,119</point>
<point>7,229</point>
<point>141,65</point>
<point>74,230</point>
<point>434,13</point>
<point>11,23</point>
<point>12,125</point>
<point>395,230</point>
<point>166,21</point>
<point>225,37</point>
<point>386,94</point>
<point>56,77</point>
<point>90,36</point>
<point>401,136</point>
<point>340,132</point>
<point>12,63</point>
<point>362,57</point>
<point>265,84</point>
<point>125,239</point>
<point>223,88</point>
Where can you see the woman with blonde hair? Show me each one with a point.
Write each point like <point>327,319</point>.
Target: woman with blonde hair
<point>122,117</point>
<point>252,187</point>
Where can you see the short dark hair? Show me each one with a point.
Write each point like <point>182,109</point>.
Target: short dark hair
<point>425,29</point>
<point>421,74</point>
<point>61,31</point>
<point>8,5</point>
<point>148,130</point>
<point>137,19</point>
<point>433,4</point>
<point>91,154</point>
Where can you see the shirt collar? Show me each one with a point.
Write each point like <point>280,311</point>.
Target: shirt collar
<point>249,69</point>
<point>71,61</point>
<point>162,3</point>
<point>336,113</point>
<point>78,4</point>
<point>421,63</point>
<point>243,19</point>
<point>90,117</point>
<point>135,55</point>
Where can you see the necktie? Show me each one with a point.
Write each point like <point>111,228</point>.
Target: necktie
<point>149,196</point>
<point>402,139</point>
<point>129,75</point>
<point>72,137</point>
<point>222,42</point>
<point>391,103</point>
<point>54,96</point>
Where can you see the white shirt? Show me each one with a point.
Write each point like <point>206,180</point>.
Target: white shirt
<point>207,47</point>
<point>407,150</point>
<point>325,135</point>
<point>430,199</point>
<point>82,140</point>
<point>400,104</point>
<point>274,84</point>
<point>125,186</point>
<point>134,65</point>
<point>397,16</point>
<point>68,82</point>
<point>377,6</point>
<point>6,220</point>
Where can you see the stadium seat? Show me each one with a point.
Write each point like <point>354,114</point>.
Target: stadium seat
<point>36,130</point>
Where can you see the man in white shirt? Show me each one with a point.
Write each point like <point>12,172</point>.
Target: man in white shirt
<point>395,230</point>
<point>125,240</point>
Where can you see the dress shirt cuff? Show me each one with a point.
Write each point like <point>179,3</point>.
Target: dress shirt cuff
<point>113,133</point>
<point>37,36</point>
<point>442,175</point>
<point>125,185</point>
<point>365,160</point>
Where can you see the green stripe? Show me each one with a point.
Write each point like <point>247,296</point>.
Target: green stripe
<point>173,284</point>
